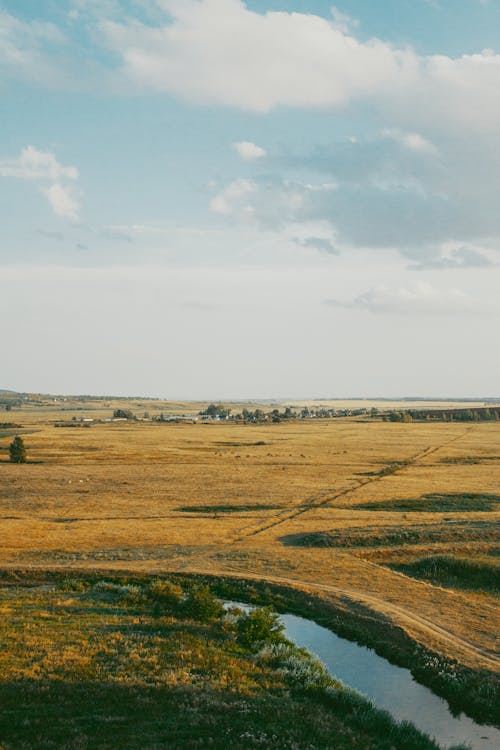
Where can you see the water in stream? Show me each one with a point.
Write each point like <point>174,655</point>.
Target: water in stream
<point>389,687</point>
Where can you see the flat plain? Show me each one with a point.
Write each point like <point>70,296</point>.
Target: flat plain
<point>340,508</point>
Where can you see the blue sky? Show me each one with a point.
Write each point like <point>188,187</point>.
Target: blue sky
<point>219,199</point>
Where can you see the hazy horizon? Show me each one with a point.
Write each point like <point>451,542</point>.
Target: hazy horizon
<point>254,399</point>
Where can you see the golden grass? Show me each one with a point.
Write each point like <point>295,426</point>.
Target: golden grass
<point>148,496</point>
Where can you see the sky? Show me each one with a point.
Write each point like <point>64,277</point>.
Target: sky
<point>217,199</point>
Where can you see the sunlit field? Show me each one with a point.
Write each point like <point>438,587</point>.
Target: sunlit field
<point>334,506</point>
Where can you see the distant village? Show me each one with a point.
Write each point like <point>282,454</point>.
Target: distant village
<point>214,413</point>
<point>219,413</point>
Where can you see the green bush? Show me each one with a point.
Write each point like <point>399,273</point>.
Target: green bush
<point>201,604</point>
<point>165,595</point>
<point>260,624</point>
<point>17,451</point>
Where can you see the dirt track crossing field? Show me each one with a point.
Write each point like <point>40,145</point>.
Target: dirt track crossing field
<point>251,500</point>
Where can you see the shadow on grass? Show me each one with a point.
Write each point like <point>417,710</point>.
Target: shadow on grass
<point>394,536</point>
<point>20,463</point>
<point>455,572</point>
<point>88,714</point>
<point>227,508</point>
<point>436,503</point>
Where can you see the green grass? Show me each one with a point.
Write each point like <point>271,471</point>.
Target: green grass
<point>478,574</point>
<point>90,663</point>
<point>437,503</point>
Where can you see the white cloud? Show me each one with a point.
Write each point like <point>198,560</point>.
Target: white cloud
<point>33,164</point>
<point>237,196</point>
<point>270,203</point>
<point>436,207</point>
<point>411,141</point>
<point>42,166</point>
<point>221,52</point>
<point>63,201</point>
<point>248,150</point>
<point>416,299</point>
<point>24,46</point>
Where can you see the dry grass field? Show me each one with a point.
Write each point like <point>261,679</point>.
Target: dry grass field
<point>331,506</point>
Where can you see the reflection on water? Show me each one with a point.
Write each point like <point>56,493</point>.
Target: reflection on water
<point>389,687</point>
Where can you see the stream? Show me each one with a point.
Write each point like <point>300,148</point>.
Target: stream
<point>389,687</point>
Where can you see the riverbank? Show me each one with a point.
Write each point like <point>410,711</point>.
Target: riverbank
<point>474,692</point>
<point>96,661</point>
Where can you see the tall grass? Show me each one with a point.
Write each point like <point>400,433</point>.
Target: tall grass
<point>481,574</point>
<point>87,664</point>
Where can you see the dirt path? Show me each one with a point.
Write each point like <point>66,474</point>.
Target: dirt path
<point>411,622</point>
<point>328,496</point>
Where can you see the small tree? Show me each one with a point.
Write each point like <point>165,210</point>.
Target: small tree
<point>202,605</point>
<point>17,451</point>
<point>123,414</point>
<point>260,624</point>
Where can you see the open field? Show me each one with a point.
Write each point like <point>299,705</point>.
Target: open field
<point>323,505</point>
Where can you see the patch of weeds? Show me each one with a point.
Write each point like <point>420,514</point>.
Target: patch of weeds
<point>468,459</point>
<point>128,593</point>
<point>74,584</point>
<point>303,670</point>
<point>455,572</point>
<point>465,460</point>
<point>394,536</point>
<point>437,503</point>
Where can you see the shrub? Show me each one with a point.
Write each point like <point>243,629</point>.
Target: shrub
<point>201,604</point>
<point>123,414</point>
<point>297,665</point>
<point>260,624</point>
<point>165,594</point>
<point>127,593</point>
<point>17,451</point>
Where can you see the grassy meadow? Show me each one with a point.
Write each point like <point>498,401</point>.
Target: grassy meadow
<point>352,512</point>
<point>92,662</point>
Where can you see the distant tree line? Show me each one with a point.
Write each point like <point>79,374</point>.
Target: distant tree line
<point>397,416</point>
<point>473,414</point>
